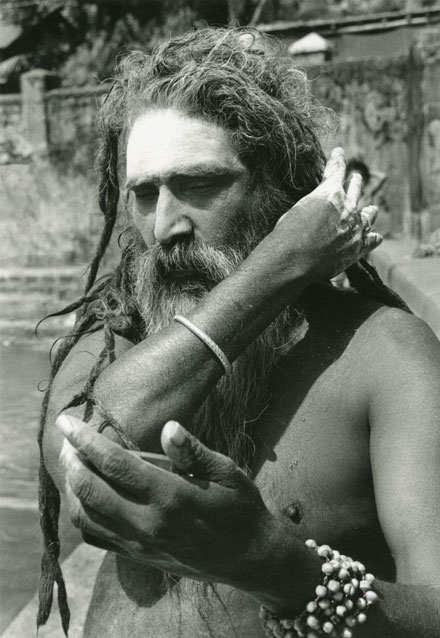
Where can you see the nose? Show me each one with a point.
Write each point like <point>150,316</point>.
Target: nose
<point>172,220</point>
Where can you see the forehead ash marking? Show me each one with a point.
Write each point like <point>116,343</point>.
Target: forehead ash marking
<point>159,141</point>
<point>203,169</point>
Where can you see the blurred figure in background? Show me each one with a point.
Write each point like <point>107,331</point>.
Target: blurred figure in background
<point>372,180</point>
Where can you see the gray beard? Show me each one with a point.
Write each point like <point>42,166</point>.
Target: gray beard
<point>227,420</point>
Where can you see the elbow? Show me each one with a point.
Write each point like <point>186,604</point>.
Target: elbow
<point>51,450</point>
<point>102,395</point>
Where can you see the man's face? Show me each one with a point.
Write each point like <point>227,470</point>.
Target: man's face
<point>199,221</point>
<point>186,179</point>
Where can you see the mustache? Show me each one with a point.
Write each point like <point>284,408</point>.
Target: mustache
<point>196,258</point>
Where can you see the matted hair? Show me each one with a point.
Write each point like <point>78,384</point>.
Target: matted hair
<point>237,79</point>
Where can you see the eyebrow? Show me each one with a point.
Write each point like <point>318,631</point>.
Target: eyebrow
<point>192,170</point>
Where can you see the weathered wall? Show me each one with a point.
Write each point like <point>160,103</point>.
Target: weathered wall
<point>370,98</point>
<point>10,113</point>
<point>13,146</point>
<point>59,124</point>
<point>389,114</point>
<point>72,133</point>
<point>48,209</point>
<point>427,61</point>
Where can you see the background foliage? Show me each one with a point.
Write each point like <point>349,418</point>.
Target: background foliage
<point>49,214</point>
<point>102,29</point>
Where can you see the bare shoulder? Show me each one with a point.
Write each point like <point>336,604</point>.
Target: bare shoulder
<point>371,328</point>
<point>399,344</point>
<point>402,378</point>
<point>402,329</point>
<point>384,354</point>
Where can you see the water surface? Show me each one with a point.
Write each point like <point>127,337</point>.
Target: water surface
<point>23,368</point>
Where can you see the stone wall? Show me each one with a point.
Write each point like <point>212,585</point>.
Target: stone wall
<point>72,132</point>
<point>370,98</point>
<point>13,146</point>
<point>427,63</point>
<point>389,114</point>
<point>48,209</point>
<point>53,123</point>
<point>10,113</point>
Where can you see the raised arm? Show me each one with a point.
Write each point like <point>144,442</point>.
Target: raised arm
<point>170,374</point>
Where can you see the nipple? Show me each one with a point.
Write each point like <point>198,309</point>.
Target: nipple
<point>294,512</point>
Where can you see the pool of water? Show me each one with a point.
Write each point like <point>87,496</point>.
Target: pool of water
<point>24,367</point>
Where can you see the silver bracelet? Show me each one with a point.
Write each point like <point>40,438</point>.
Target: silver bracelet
<point>207,341</point>
<point>340,602</point>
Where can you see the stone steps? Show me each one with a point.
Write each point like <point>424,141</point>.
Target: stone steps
<point>29,294</point>
<point>41,280</point>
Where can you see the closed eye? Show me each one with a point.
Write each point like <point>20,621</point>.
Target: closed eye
<point>199,186</point>
<point>146,192</point>
<point>206,184</point>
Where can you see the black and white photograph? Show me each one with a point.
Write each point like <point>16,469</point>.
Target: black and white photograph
<point>220,318</point>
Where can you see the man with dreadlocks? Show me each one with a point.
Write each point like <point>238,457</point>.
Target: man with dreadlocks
<point>290,410</point>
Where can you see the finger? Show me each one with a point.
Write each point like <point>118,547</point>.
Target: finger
<point>368,216</point>
<point>371,241</point>
<point>91,523</point>
<point>192,457</point>
<point>90,489</point>
<point>114,463</point>
<point>335,166</point>
<point>98,542</point>
<point>353,194</point>
<point>96,506</point>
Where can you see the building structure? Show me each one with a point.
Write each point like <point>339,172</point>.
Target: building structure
<point>375,35</point>
<point>381,74</point>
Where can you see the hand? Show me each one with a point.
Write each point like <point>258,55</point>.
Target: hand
<point>207,523</point>
<point>322,234</point>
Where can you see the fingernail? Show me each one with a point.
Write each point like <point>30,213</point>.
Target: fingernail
<point>65,424</point>
<point>176,433</point>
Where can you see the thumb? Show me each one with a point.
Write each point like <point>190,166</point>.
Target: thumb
<point>192,457</point>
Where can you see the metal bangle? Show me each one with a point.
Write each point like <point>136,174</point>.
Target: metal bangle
<point>207,341</point>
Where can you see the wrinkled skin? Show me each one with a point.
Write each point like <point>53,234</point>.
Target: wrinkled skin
<point>168,520</point>
<point>333,441</point>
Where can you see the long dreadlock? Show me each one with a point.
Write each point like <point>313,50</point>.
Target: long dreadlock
<point>49,498</point>
<point>263,101</point>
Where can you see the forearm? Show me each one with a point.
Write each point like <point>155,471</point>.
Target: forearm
<point>169,374</point>
<point>402,611</point>
<point>287,573</point>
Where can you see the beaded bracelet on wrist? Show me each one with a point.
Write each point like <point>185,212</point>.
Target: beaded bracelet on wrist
<point>341,601</point>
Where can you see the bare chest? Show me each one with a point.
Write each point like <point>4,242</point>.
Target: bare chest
<point>314,468</point>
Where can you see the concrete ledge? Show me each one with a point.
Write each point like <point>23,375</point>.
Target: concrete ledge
<point>416,280</point>
<point>79,570</point>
